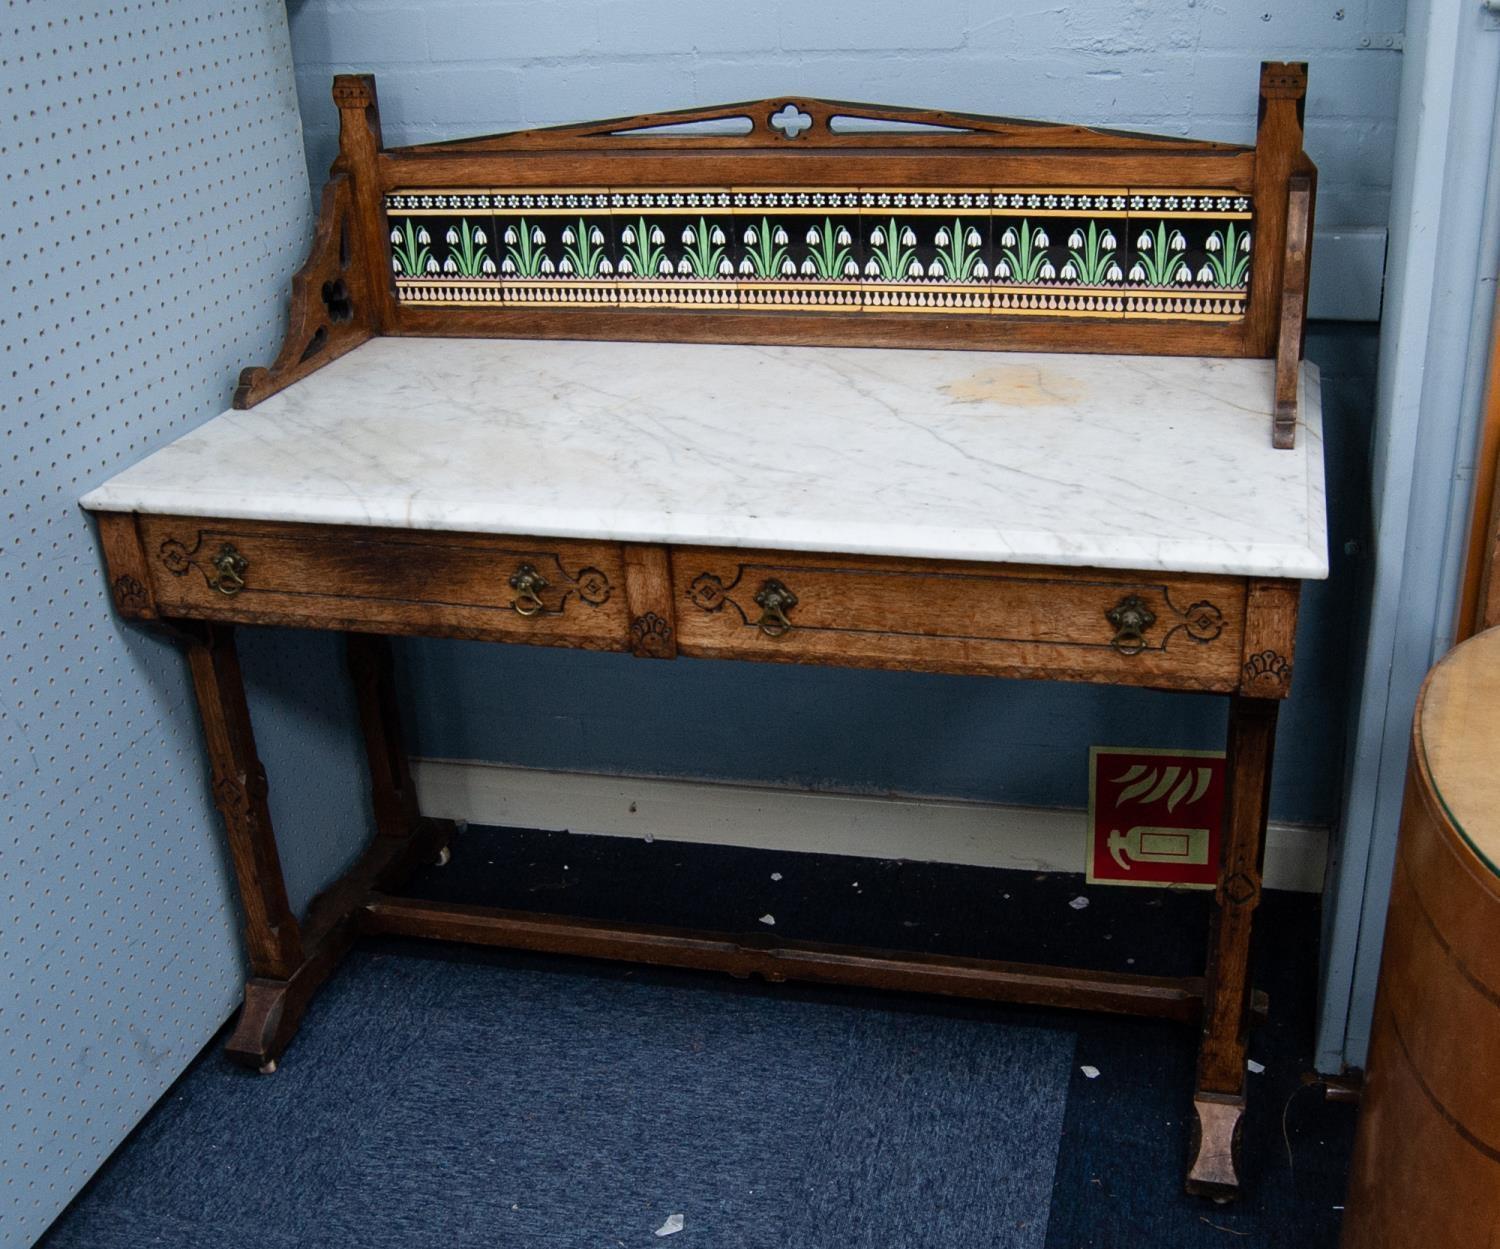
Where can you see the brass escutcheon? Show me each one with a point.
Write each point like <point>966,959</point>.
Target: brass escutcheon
<point>774,601</point>
<point>231,566</point>
<point>1130,618</point>
<point>526,582</point>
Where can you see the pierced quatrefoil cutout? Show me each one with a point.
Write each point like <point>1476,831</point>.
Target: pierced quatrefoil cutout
<point>336,300</point>
<point>791,121</point>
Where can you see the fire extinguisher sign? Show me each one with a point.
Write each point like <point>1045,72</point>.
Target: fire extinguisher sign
<point>1156,817</point>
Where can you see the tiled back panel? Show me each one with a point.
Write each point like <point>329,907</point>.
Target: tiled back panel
<point>1106,252</point>
<point>153,204</point>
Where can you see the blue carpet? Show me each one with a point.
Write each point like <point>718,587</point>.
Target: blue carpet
<point>456,1101</point>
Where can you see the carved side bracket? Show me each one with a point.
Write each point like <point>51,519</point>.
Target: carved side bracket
<point>1293,310</point>
<point>327,318</point>
<point>341,294</point>
<point>1279,263</point>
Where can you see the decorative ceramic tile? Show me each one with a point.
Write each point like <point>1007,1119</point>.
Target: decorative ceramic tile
<point>798,247</point>
<point>926,249</point>
<point>1189,254</point>
<point>1034,251</point>
<point>1058,251</point>
<point>674,248</point>
<point>443,246</point>
<point>556,247</point>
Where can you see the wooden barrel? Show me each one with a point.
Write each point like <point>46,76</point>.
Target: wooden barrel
<point>1426,1171</point>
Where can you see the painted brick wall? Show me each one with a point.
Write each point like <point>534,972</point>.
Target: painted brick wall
<point>448,68</point>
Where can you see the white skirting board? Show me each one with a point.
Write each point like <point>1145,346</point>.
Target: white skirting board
<point>930,830</point>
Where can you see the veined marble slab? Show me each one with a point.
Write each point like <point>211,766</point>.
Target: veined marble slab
<point>1153,463</point>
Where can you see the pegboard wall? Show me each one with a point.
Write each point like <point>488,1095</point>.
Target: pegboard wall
<point>153,205</point>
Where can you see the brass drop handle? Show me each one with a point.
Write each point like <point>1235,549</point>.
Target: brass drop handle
<point>527,583</point>
<point>230,566</point>
<point>774,601</point>
<point>1131,617</point>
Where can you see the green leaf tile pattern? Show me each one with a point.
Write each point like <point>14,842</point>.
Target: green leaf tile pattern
<point>1045,251</point>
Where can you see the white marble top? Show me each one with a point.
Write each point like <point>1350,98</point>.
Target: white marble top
<point>1111,461</point>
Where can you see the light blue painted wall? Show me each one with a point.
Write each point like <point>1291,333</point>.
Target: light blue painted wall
<point>447,68</point>
<point>1435,347</point>
<point>153,204</point>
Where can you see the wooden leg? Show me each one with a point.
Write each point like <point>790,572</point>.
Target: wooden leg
<point>273,940</point>
<point>404,838</point>
<point>288,961</point>
<point>1219,1095</point>
<point>372,671</point>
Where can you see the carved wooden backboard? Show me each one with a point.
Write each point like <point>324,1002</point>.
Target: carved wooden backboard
<point>814,221</point>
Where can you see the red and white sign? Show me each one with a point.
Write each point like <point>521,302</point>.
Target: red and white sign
<point>1156,817</point>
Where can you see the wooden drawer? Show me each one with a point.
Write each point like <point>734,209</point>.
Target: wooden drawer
<point>1175,631</point>
<point>544,590</point>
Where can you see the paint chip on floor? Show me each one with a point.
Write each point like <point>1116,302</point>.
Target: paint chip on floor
<point>768,918</point>
<point>671,1226</point>
<point>1089,1073</point>
<point>775,875</point>
<point>1254,1066</point>
<point>1079,903</point>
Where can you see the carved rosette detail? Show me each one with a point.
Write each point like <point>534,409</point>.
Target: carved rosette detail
<point>707,592</point>
<point>1204,621</point>
<point>175,557</point>
<point>1266,670</point>
<point>593,587</point>
<point>130,595</point>
<point>651,636</point>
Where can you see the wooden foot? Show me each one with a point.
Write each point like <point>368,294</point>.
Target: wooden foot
<point>1214,1168</point>
<point>1219,1096</point>
<point>257,1037</point>
<point>274,1008</point>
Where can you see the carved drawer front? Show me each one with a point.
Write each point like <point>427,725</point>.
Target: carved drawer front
<point>1092,625</point>
<point>551,591</point>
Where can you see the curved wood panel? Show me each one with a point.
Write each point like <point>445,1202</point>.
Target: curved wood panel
<point>1427,1157</point>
